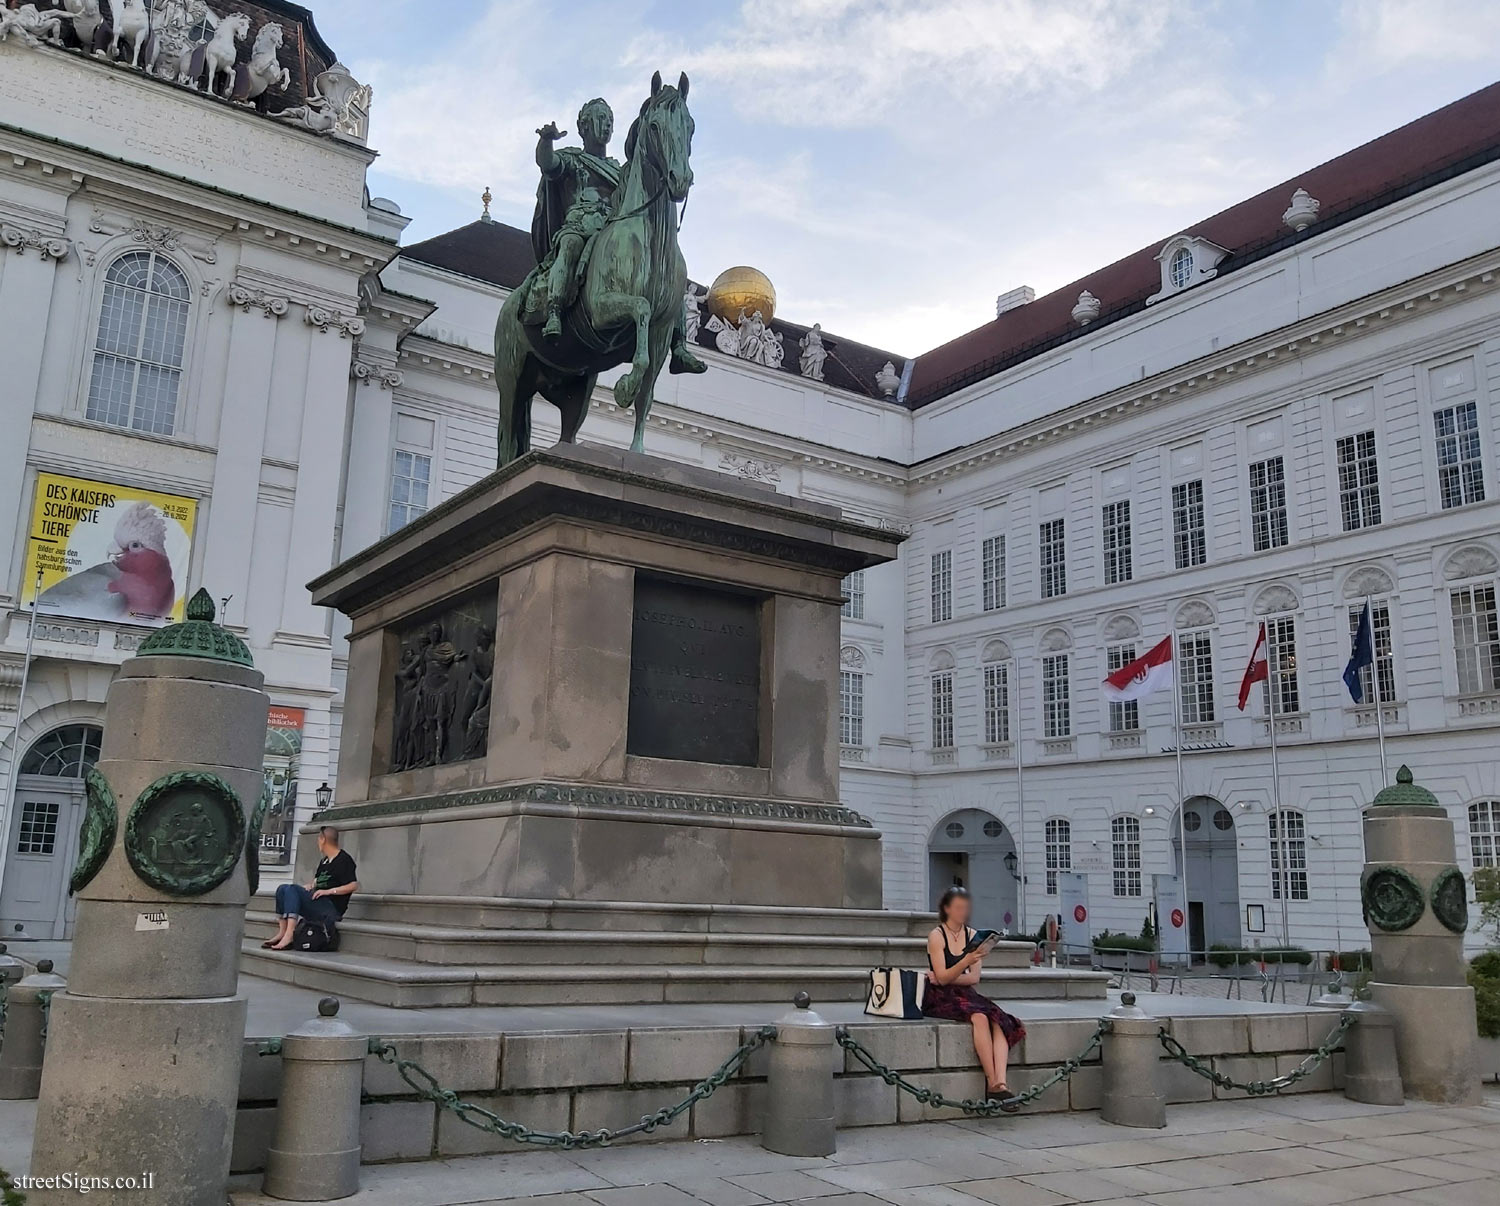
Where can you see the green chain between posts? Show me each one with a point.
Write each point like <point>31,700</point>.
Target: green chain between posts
<point>983,1109</point>
<point>1261,1088</point>
<point>44,1001</point>
<point>4,992</point>
<point>426,1086</point>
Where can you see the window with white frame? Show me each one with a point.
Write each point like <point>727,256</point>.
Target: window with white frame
<point>1124,715</point>
<point>1281,660</point>
<point>996,703</point>
<point>1189,533</point>
<point>1476,639</point>
<point>851,707</point>
<point>1117,556</point>
<point>1054,559</point>
<point>942,710</point>
<point>1385,658</point>
<point>1359,481</point>
<point>1180,269</point>
<point>854,596</point>
<point>992,572</point>
<point>1289,840</point>
<point>1268,524</point>
<point>1057,716</point>
<point>411,481</point>
<point>140,344</point>
<point>942,586</point>
<point>1195,670</point>
<point>1058,837</point>
<point>1125,840</point>
<point>1484,833</point>
<point>1460,461</point>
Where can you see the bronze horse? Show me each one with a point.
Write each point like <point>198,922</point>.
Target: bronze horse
<point>629,304</point>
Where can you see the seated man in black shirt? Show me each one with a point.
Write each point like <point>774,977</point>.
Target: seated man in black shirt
<point>325,900</point>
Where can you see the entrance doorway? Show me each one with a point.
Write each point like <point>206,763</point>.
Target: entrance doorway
<point>973,849</point>
<point>43,840</point>
<point>1213,873</point>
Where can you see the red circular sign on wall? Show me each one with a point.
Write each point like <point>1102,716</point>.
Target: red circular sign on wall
<point>1177,919</point>
<point>1080,913</point>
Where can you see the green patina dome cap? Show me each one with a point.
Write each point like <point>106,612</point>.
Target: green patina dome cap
<point>1406,792</point>
<point>197,636</point>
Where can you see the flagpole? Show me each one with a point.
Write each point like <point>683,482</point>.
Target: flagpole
<point>1385,778</point>
<point>1286,879</point>
<point>1181,794</point>
<point>1020,803</point>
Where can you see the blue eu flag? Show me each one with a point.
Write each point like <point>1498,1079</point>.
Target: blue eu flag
<point>1361,655</point>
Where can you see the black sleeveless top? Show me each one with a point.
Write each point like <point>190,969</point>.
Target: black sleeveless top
<point>949,958</point>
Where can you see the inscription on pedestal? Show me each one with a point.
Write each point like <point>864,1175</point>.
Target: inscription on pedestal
<point>694,674</point>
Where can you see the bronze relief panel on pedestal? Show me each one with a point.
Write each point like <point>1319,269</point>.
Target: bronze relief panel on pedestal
<point>445,664</point>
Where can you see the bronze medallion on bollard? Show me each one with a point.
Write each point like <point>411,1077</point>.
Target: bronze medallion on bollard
<point>1450,900</point>
<point>185,832</point>
<point>1391,898</point>
<point>97,836</point>
<point>252,838</point>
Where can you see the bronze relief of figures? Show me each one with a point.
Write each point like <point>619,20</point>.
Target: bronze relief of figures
<point>443,677</point>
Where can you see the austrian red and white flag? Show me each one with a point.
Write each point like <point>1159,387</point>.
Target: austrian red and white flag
<point>1150,672</point>
<point>1258,671</point>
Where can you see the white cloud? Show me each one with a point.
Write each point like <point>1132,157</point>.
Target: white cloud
<point>1384,34</point>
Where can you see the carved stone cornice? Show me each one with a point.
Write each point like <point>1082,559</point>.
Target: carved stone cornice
<point>366,371</point>
<point>156,236</point>
<point>326,319</point>
<point>19,239</point>
<point>247,298</point>
<point>758,469</point>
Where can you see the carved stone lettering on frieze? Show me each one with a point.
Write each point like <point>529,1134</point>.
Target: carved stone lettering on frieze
<point>445,664</point>
<point>694,674</point>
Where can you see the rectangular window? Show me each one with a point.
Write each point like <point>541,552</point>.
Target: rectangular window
<point>1484,833</point>
<point>1117,558</point>
<point>411,476</point>
<point>1268,526</point>
<point>854,596</point>
<point>1281,637</point>
<point>1059,851</point>
<point>1195,670</point>
<point>37,831</point>
<point>1189,536</point>
<point>1125,838</point>
<point>1460,462</point>
<point>1124,715</point>
<point>851,707</point>
<point>1057,718</point>
<point>1359,481</point>
<point>942,586</point>
<point>1476,639</point>
<point>993,572</point>
<point>942,711</point>
<point>1294,845</point>
<point>996,703</point>
<point>1385,660</point>
<point>1054,559</point>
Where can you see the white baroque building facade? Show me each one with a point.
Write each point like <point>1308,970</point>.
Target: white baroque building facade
<point>1271,417</point>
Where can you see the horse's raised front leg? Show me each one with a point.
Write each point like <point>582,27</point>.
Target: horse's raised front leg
<point>616,309</point>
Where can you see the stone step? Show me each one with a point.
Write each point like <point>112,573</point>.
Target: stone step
<point>433,944</point>
<point>503,913</point>
<point>405,984</point>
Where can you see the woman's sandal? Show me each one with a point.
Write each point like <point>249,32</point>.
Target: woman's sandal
<point>1006,1099</point>
<point>268,944</point>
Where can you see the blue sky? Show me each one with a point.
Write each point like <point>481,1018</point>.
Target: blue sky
<point>893,166</point>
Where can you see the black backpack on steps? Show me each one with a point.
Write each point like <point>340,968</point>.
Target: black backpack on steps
<point>315,936</point>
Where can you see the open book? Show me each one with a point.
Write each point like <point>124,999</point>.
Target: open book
<point>983,942</point>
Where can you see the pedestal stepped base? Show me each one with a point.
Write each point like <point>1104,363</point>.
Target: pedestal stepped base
<point>424,951</point>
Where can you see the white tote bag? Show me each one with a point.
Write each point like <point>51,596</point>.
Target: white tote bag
<point>896,993</point>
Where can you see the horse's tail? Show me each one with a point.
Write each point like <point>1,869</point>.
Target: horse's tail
<point>511,349</point>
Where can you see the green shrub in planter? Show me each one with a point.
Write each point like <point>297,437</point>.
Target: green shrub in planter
<point>1485,966</point>
<point>1108,941</point>
<point>1282,954</point>
<point>1351,961</point>
<point>1222,955</point>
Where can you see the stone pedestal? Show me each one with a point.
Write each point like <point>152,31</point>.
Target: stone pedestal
<point>597,675</point>
<point>143,1049</point>
<point>1415,903</point>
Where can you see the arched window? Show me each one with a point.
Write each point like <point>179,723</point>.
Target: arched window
<point>1182,266</point>
<point>1125,837</point>
<point>1292,838</point>
<point>1059,849</point>
<point>65,753</point>
<point>139,348</point>
<point>1484,833</point>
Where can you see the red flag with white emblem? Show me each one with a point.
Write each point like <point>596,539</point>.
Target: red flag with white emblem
<point>1259,669</point>
<point>1150,672</point>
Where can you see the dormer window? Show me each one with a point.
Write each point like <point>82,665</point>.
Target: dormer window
<point>1186,261</point>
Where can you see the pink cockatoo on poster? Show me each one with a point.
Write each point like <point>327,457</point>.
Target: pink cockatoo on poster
<point>140,553</point>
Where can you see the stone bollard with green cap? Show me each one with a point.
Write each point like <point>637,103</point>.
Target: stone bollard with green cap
<point>144,1046</point>
<point>1415,902</point>
<point>26,1032</point>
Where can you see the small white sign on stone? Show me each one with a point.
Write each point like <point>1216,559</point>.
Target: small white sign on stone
<point>151,921</point>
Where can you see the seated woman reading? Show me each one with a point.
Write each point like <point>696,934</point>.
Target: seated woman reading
<point>951,994</point>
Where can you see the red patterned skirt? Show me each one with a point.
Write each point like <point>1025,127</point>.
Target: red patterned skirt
<point>960,1002</point>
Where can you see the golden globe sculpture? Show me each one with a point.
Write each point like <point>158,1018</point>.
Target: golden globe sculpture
<point>741,289</point>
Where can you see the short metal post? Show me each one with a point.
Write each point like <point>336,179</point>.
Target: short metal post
<point>1371,1072</point>
<point>11,969</point>
<point>799,1119</point>
<point>315,1154</point>
<point>1131,1056</point>
<point>26,1032</point>
<point>1334,997</point>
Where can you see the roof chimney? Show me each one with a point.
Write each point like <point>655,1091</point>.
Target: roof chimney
<point>1023,296</point>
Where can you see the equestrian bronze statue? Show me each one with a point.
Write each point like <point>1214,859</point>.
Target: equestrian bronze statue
<point>609,282</point>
